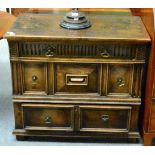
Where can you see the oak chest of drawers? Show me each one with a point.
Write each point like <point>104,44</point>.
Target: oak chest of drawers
<point>77,83</point>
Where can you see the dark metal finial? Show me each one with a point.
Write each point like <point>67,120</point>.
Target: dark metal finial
<point>75,20</point>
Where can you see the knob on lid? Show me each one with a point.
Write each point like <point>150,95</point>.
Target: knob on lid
<point>75,20</point>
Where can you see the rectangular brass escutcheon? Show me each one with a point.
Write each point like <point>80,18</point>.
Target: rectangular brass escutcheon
<point>72,79</point>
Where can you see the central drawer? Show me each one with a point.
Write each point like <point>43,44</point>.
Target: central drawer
<point>76,78</point>
<point>48,117</point>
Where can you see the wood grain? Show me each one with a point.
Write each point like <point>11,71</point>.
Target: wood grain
<point>31,27</point>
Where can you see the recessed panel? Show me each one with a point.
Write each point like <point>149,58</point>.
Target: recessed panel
<point>48,117</point>
<point>120,79</point>
<point>105,118</point>
<point>77,78</point>
<point>34,77</point>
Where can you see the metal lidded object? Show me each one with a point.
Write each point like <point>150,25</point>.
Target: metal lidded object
<point>75,20</point>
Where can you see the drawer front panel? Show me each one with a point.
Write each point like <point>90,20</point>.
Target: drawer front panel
<point>48,117</point>
<point>82,49</point>
<point>77,78</point>
<point>105,118</point>
<point>120,79</point>
<point>34,78</point>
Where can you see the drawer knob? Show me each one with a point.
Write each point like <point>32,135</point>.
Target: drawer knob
<point>34,78</point>
<point>48,120</point>
<point>105,54</point>
<point>105,118</point>
<point>120,82</point>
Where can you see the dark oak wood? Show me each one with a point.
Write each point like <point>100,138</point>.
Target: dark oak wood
<point>80,49</point>
<point>76,78</point>
<point>48,117</point>
<point>112,30</point>
<point>84,83</point>
<point>34,78</point>
<point>120,79</point>
<point>105,118</point>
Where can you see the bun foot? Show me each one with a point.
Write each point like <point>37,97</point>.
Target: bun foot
<point>21,138</point>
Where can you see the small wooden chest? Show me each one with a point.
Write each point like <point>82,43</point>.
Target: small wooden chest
<point>77,83</point>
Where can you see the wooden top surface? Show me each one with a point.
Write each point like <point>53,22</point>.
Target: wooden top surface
<point>6,21</point>
<point>104,27</point>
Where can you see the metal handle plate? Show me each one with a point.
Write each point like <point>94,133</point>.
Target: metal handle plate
<point>49,54</point>
<point>105,118</point>
<point>50,51</point>
<point>48,120</point>
<point>34,78</point>
<point>72,79</point>
<point>105,54</point>
<point>120,82</point>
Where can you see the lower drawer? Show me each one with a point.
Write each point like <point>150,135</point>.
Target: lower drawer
<point>79,118</point>
<point>105,118</point>
<point>48,117</point>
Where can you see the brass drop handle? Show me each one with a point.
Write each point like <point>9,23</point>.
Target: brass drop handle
<point>49,54</point>
<point>48,120</point>
<point>105,54</point>
<point>120,82</point>
<point>50,51</point>
<point>105,118</point>
<point>34,78</point>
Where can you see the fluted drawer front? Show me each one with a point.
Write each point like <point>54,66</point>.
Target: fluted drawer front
<point>79,50</point>
<point>105,118</point>
<point>48,117</point>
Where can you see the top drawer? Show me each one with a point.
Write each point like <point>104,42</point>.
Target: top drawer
<point>78,50</point>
